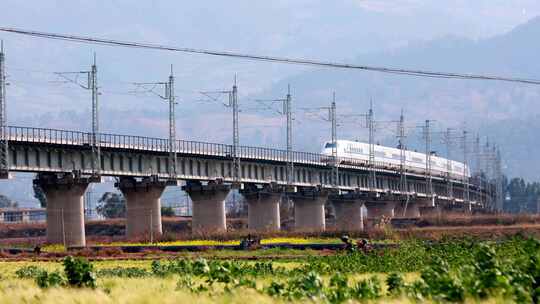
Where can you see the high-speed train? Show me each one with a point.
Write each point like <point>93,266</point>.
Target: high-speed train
<point>414,161</point>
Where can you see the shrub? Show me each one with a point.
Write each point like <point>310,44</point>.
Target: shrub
<point>123,272</point>
<point>338,291</point>
<point>167,211</point>
<point>395,284</point>
<point>28,272</point>
<point>53,279</point>
<point>441,285</point>
<point>368,289</point>
<point>79,272</point>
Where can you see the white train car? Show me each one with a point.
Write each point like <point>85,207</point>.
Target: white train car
<point>414,161</point>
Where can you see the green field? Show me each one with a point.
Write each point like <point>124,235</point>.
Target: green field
<point>447,271</point>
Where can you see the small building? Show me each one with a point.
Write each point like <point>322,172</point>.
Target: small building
<point>22,215</point>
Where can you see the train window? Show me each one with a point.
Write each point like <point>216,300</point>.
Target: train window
<point>396,156</point>
<point>380,154</point>
<point>417,160</point>
<point>330,145</point>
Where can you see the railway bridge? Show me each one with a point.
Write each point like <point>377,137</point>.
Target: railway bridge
<point>67,161</point>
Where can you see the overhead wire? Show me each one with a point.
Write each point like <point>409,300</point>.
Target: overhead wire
<point>285,60</point>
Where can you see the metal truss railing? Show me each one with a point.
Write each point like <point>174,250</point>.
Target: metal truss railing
<point>142,143</point>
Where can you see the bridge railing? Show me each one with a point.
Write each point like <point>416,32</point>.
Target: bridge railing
<point>106,140</point>
<point>43,135</point>
<point>132,142</point>
<point>203,148</point>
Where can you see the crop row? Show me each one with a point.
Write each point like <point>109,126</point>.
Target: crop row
<point>450,271</point>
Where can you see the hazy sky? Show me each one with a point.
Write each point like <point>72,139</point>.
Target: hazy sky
<point>329,30</point>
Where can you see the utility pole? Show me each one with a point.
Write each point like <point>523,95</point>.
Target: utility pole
<point>288,112</point>
<point>236,136</point>
<point>449,184</point>
<point>172,126</point>
<point>169,97</point>
<point>96,152</point>
<point>465,161</point>
<point>402,159</point>
<point>332,117</point>
<point>91,85</point>
<point>4,151</point>
<point>498,181</point>
<point>478,169</point>
<point>371,159</point>
<point>428,175</point>
<point>233,103</point>
<point>404,187</point>
<point>476,151</point>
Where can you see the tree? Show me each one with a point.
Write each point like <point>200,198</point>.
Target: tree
<point>167,211</point>
<point>523,196</point>
<point>40,196</point>
<point>5,202</point>
<point>111,205</point>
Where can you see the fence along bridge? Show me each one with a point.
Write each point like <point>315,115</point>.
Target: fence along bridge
<point>63,161</point>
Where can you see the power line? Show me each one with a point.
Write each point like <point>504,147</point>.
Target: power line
<point>299,61</point>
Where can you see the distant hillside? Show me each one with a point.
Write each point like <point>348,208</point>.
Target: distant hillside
<point>508,113</point>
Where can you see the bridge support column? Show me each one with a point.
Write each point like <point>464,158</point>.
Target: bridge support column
<point>349,215</point>
<point>427,206</point>
<point>208,207</point>
<point>65,207</point>
<point>143,206</point>
<point>263,210</point>
<point>430,211</point>
<point>309,212</point>
<point>378,209</point>
<point>460,207</point>
<point>409,209</point>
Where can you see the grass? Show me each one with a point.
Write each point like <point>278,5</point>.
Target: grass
<point>161,284</point>
<point>119,291</point>
<point>128,290</point>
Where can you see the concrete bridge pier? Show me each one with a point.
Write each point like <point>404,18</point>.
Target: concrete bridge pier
<point>309,211</point>
<point>65,207</point>
<point>349,215</point>
<point>208,206</point>
<point>263,210</point>
<point>410,209</point>
<point>143,206</point>
<point>458,207</point>
<point>378,209</point>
